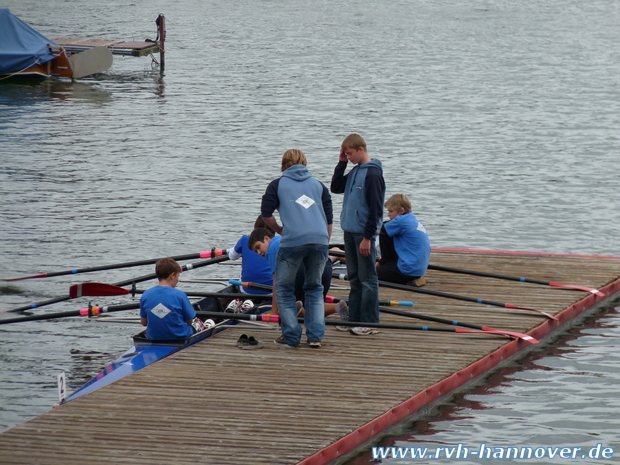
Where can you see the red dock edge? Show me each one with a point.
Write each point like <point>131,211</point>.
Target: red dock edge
<point>457,380</point>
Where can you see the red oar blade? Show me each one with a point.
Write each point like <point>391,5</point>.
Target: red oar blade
<point>95,290</point>
<point>514,334</point>
<point>551,317</point>
<point>579,288</point>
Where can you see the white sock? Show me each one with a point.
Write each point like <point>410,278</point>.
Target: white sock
<point>340,305</point>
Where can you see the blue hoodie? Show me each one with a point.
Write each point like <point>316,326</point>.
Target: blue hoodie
<point>364,194</point>
<point>304,204</point>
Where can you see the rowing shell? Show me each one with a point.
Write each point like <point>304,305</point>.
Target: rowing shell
<point>146,351</point>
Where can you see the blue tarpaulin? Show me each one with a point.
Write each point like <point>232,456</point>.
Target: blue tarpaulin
<point>20,45</point>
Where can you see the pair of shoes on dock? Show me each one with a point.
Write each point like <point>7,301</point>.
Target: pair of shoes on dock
<point>246,343</point>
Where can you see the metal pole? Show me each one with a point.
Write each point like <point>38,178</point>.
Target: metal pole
<point>161,32</point>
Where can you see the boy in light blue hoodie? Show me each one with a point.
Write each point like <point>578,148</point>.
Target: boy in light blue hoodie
<point>404,243</point>
<point>305,208</point>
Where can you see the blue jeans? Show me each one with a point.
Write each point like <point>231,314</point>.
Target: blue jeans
<point>312,258</point>
<point>362,273</point>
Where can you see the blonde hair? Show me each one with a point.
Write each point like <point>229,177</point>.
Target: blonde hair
<point>353,141</point>
<point>398,201</point>
<point>293,157</point>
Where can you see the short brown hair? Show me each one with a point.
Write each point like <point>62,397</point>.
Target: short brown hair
<point>258,235</point>
<point>165,267</point>
<point>398,201</point>
<point>293,157</point>
<point>353,141</point>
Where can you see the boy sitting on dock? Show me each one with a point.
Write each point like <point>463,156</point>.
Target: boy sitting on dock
<point>405,247</point>
<point>166,312</point>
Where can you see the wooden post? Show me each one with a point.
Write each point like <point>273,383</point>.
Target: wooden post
<point>161,32</point>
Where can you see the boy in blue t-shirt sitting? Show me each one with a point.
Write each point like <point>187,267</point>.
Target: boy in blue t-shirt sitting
<point>254,267</point>
<point>166,312</point>
<point>404,243</point>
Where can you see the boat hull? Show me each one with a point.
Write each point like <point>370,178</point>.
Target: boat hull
<point>146,351</point>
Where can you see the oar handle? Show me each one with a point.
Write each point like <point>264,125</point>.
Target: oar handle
<point>94,310</point>
<point>261,287</point>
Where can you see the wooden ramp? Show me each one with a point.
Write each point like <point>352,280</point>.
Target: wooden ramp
<point>216,404</point>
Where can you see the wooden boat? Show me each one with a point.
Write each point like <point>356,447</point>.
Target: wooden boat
<point>26,52</point>
<point>146,351</point>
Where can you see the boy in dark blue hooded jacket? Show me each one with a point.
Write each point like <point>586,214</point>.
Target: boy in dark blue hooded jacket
<point>361,218</point>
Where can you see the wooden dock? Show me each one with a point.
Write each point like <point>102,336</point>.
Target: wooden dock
<point>117,47</point>
<point>215,404</point>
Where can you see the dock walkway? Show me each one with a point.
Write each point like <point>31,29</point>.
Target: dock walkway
<point>215,404</point>
<point>117,47</point>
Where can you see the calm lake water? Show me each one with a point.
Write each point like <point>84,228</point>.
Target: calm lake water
<point>499,120</point>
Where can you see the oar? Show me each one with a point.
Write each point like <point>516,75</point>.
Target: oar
<point>451,296</point>
<point>433,318</point>
<point>189,266</point>
<point>91,311</point>
<point>458,323</point>
<point>332,300</point>
<point>499,276</point>
<point>275,318</point>
<point>102,290</point>
<point>514,278</point>
<point>210,254</point>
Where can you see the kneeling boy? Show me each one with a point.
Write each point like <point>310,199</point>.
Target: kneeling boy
<point>405,247</point>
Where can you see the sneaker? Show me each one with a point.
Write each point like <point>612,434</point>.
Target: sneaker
<point>249,343</point>
<point>198,325</point>
<point>245,306</point>
<point>233,306</point>
<point>209,323</point>
<point>242,341</point>
<point>314,344</point>
<point>362,331</point>
<point>343,310</point>
<point>419,282</point>
<point>280,342</point>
